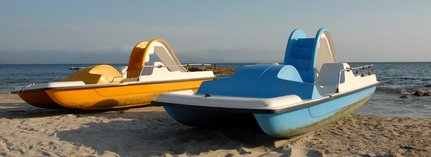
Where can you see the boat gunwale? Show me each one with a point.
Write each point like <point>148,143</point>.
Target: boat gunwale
<point>109,85</point>
<point>297,106</point>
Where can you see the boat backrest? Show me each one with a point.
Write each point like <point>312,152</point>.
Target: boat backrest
<point>330,74</point>
<point>329,77</point>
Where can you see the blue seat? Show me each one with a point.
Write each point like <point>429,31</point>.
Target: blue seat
<point>261,81</point>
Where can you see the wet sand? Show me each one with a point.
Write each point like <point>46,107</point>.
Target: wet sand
<point>149,131</point>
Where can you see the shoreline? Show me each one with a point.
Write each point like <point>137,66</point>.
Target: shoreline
<point>149,131</point>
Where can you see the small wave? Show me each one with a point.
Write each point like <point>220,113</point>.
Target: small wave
<point>418,106</point>
<point>392,90</point>
<point>401,89</point>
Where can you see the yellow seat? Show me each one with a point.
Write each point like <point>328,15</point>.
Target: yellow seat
<point>97,74</point>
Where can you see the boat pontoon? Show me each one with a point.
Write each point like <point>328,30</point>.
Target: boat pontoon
<point>105,87</point>
<point>309,91</point>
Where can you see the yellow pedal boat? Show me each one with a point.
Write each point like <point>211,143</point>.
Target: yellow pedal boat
<point>105,87</point>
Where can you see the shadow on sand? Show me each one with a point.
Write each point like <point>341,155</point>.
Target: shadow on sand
<point>152,133</point>
<point>161,135</point>
<point>24,110</point>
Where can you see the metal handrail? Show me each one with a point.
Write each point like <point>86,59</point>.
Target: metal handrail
<point>154,66</point>
<point>19,92</point>
<point>186,65</point>
<point>355,68</point>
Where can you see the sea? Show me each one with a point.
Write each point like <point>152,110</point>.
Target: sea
<point>396,78</point>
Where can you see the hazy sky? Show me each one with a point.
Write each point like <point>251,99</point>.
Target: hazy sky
<point>105,31</point>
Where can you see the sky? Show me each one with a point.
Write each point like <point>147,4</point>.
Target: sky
<point>222,31</point>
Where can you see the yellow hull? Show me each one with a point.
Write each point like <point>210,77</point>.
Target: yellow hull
<point>104,87</point>
<point>108,97</point>
<point>39,99</point>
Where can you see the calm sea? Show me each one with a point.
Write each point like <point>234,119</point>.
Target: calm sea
<point>396,79</point>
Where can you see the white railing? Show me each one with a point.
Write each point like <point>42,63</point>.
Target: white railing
<point>156,66</point>
<point>362,68</point>
<point>184,65</point>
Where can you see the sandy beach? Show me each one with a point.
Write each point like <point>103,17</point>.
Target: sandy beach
<point>149,131</point>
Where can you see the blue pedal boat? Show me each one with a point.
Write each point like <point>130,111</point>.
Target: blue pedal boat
<point>309,91</point>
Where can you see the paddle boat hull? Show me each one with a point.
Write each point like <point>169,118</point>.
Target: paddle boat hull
<point>104,87</point>
<point>310,91</point>
<point>301,121</point>
<point>105,97</point>
<point>281,116</point>
<point>39,99</point>
<point>118,96</point>
<point>280,125</point>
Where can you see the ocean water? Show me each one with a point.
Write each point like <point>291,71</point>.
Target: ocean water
<point>396,79</point>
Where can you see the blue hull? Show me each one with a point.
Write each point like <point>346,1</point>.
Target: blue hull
<point>282,125</point>
<point>294,123</point>
<point>310,91</point>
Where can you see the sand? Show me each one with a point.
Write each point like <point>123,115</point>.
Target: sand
<point>149,131</point>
